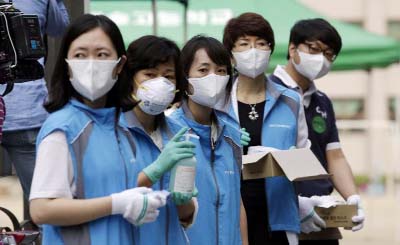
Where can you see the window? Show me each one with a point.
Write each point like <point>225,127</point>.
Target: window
<point>393,106</point>
<point>349,109</point>
<point>394,29</point>
<point>357,23</point>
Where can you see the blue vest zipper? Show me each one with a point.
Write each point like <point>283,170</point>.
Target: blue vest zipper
<point>216,186</point>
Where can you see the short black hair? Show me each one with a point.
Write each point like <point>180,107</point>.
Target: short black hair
<point>214,49</point>
<point>315,30</point>
<point>61,89</point>
<point>148,52</point>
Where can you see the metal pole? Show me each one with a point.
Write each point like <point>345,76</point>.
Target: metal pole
<point>185,23</point>
<point>75,9</point>
<point>154,10</point>
<point>396,145</point>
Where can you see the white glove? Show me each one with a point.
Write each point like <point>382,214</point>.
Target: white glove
<point>325,201</point>
<point>309,220</point>
<point>360,217</point>
<point>138,205</point>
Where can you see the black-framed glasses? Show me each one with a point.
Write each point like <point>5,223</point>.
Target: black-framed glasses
<point>314,48</point>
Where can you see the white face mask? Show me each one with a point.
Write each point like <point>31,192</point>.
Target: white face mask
<point>312,66</point>
<point>92,78</point>
<point>252,62</point>
<point>208,90</point>
<point>155,95</point>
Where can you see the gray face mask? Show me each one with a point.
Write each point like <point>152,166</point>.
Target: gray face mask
<point>312,66</point>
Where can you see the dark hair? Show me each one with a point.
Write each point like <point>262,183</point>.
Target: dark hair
<point>150,51</point>
<point>251,24</point>
<point>60,88</point>
<point>315,30</point>
<point>214,49</point>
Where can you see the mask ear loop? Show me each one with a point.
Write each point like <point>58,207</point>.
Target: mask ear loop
<point>133,95</point>
<point>298,54</point>
<point>188,88</point>
<point>139,102</point>
<point>142,87</point>
<point>176,91</point>
<point>116,67</point>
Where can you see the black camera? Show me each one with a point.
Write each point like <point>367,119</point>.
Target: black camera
<point>21,45</point>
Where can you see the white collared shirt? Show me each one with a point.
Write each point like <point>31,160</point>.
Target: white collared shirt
<point>281,73</point>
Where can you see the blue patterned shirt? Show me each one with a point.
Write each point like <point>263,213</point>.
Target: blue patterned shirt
<point>24,105</point>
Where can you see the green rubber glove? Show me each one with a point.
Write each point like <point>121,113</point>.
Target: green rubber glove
<point>244,137</point>
<point>182,199</point>
<point>172,153</point>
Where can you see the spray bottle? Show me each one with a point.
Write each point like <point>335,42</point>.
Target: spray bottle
<point>184,172</point>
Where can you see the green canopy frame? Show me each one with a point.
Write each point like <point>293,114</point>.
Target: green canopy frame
<point>183,18</point>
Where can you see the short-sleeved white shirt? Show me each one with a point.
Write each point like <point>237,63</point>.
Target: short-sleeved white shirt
<point>53,176</point>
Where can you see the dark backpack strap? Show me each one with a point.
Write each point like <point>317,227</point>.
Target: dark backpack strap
<point>9,88</point>
<point>28,225</point>
<point>78,234</point>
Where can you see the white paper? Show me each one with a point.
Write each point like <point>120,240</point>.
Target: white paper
<point>260,149</point>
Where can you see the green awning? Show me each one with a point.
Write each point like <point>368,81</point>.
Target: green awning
<point>361,49</point>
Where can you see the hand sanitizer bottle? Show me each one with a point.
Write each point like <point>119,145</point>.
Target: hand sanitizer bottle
<point>184,172</point>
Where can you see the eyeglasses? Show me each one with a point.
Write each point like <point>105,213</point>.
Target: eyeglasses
<point>264,46</point>
<point>258,45</point>
<point>314,48</point>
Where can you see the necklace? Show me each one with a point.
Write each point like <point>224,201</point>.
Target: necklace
<point>253,114</point>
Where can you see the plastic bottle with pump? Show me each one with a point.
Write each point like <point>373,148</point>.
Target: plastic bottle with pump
<point>184,172</point>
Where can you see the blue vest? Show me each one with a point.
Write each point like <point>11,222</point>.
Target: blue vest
<point>279,130</point>
<point>103,164</point>
<point>218,181</point>
<point>167,228</point>
<point>320,107</point>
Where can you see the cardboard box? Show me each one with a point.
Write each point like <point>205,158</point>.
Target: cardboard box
<point>296,164</point>
<point>324,234</point>
<point>338,216</point>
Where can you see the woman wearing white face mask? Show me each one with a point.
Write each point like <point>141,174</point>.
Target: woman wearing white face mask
<point>83,189</point>
<point>153,66</point>
<point>274,118</point>
<point>207,67</point>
